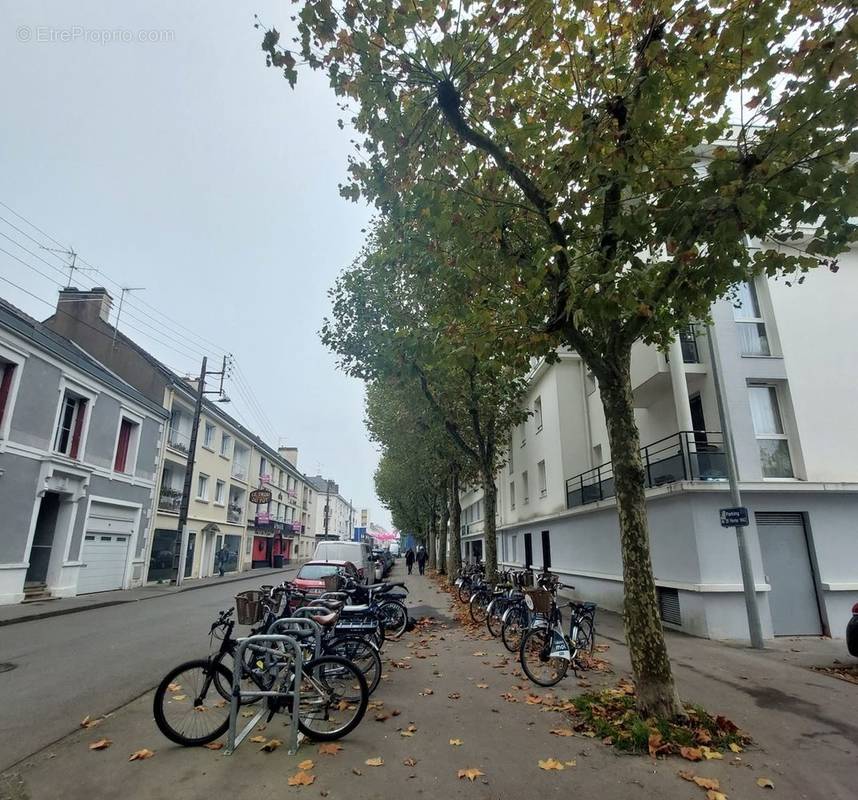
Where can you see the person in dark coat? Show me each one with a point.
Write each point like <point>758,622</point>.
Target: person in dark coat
<point>422,555</point>
<point>409,559</point>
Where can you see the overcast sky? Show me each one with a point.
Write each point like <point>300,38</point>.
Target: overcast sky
<point>184,166</point>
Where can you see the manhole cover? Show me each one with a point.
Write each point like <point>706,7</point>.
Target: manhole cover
<point>7,667</point>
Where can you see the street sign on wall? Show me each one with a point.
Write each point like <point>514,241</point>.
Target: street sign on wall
<point>734,517</point>
<point>260,496</point>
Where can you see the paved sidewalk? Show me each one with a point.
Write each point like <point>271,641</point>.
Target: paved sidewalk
<point>803,723</point>
<point>42,609</point>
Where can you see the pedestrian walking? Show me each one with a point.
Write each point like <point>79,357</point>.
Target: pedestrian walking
<point>422,555</point>
<point>409,559</point>
<point>222,556</point>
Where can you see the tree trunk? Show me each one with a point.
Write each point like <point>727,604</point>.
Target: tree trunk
<point>656,692</point>
<point>433,535</point>
<point>455,524</point>
<point>445,523</point>
<point>490,499</point>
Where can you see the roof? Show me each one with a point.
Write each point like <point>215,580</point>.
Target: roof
<point>66,350</point>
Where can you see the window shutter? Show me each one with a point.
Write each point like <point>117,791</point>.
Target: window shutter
<point>78,427</point>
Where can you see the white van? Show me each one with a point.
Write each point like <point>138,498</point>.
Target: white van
<point>359,553</point>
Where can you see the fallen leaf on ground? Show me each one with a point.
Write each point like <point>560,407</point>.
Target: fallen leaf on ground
<point>271,745</point>
<point>702,736</point>
<point>480,653</point>
<point>406,734</point>
<point>306,764</point>
<point>141,755</point>
<point>471,773</point>
<point>100,744</point>
<point>534,700</point>
<point>765,783</point>
<point>551,763</point>
<point>410,762</point>
<point>686,775</point>
<point>329,749</point>
<point>251,713</point>
<point>711,755</point>
<point>174,687</point>
<point>356,771</point>
<point>735,748</point>
<point>655,743</point>
<point>482,686</point>
<point>426,691</point>
<point>214,746</point>
<point>690,753</point>
<point>259,739</point>
<point>219,704</point>
<point>563,732</point>
<point>713,795</point>
<point>456,742</point>
<point>395,713</point>
<point>706,783</point>
<point>454,695</point>
<point>381,717</point>
<point>301,778</point>
<point>180,697</point>
<point>571,763</point>
<point>374,762</point>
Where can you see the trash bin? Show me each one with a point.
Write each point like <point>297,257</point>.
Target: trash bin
<point>278,562</point>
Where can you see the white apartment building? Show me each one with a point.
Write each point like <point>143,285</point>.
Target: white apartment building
<point>341,514</point>
<point>785,355</point>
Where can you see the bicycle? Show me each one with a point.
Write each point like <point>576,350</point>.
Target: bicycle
<point>191,703</point>
<point>517,617</point>
<point>464,583</point>
<point>546,652</point>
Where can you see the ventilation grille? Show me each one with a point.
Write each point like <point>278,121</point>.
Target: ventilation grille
<point>668,606</point>
<point>778,518</point>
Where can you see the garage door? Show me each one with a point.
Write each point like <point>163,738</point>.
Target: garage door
<point>108,535</point>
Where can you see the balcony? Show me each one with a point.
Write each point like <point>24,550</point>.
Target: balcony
<point>650,370</point>
<point>684,456</point>
<point>169,500</point>
<point>234,512</point>
<point>178,440</point>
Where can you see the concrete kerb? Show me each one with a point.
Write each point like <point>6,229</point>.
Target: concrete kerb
<point>60,611</point>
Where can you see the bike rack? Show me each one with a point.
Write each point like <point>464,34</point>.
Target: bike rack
<point>295,624</point>
<point>234,739</point>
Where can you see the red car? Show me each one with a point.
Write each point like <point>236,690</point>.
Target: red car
<point>311,576</point>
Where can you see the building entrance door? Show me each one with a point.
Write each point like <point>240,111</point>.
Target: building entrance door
<point>43,540</point>
<point>528,551</point>
<point>786,561</point>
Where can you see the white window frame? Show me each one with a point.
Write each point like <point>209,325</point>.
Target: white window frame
<point>759,319</point>
<point>525,485</point>
<point>537,413</point>
<point>208,441</point>
<point>775,393</point>
<point>133,444</point>
<point>66,384</point>
<point>220,492</point>
<point>202,483</point>
<point>225,444</point>
<point>17,359</point>
<point>542,478</point>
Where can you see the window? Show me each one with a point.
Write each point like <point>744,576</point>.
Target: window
<point>208,436</point>
<point>240,461</point>
<point>263,466</point>
<point>753,340</point>
<point>70,426</point>
<point>220,490</point>
<point>6,372</point>
<point>522,429</point>
<point>126,444</point>
<point>225,444</point>
<point>537,413</point>
<point>771,438</point>
<point>512,494</point>
<point>524,488</point>
<point>510,456</point>
<point>280,478</point>
<point>512,555</point>
<point>540,475</point>
<point>203,487</point>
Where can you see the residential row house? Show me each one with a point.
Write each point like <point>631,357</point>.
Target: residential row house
<point>783,354</point>
<point>79,456</point>
<point>230,462</point>
<point>330,505</point>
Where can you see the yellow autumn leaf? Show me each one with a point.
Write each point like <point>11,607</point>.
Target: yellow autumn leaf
<point>329,748</point>
<point>551,763</point>
<point>180,697</point>
<point>735,748</point>
<point>100,744</point>
<point>714,795</point>
<point>706,783</point>
<point>562,732</point>
<point>471,773</point>
<point>259,739</point>
<point>456,742</point>
<point>765,783</point>
<point>301,778</point>
<point>378,761</point>
<point>306,764</point>
<point>141,755</point>
<point>271,745</point>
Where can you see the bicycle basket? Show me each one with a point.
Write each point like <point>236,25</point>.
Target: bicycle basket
<point>538,600</point>
<point>333,583</point>
<point>248,607</point>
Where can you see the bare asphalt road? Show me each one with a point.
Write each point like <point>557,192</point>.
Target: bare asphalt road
<point>97,660</point>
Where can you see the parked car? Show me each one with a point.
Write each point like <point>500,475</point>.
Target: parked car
<point>385,560</point>
<point>311,576</point>
<point>358,553</point>
<point>395,550</point>
<point>852,632</point>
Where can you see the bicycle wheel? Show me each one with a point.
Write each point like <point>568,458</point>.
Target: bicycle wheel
<point>514,626</point>
<point>585,641</point>
<point>494,617</point>
<point>189,707</point>
<point>334,697</point>
<point>395,617</point>
<point>535,661</point>
<point>362,653</point>
<point>465,592</point>
<point>478,606</point>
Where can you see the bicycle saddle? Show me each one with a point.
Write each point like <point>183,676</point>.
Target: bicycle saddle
<point>325,620</point>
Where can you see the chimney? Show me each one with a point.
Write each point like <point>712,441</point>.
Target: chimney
<point>290,454</point>
<point>86,306</point>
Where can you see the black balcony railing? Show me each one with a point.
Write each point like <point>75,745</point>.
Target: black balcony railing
<point>684,456</point>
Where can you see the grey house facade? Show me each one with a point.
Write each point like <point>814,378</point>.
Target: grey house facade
<point>79,452</point>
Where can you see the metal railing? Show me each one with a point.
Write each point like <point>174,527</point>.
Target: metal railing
<point>169,500</point>
<point>178,440</point>
<point>234,512</point>
<point>683,456</point>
